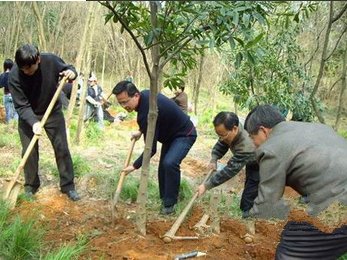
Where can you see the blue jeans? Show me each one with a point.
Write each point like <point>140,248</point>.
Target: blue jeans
<point>11,113</point>
<point>92,111</point>
<point>169,173</point>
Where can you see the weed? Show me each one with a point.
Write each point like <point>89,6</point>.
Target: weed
<point>20,240</point>
<point>68,251</point>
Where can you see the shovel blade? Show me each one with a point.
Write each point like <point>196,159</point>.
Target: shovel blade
<point>11,193</point>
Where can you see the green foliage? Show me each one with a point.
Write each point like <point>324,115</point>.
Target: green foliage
<point>81,165</point>
<point>69,251</point>
<point>268,71</point>
<point>20,240</point>
<point>184,29</point>
<point>343,133</point>
<point>7,137</point>
<point>93,133</point>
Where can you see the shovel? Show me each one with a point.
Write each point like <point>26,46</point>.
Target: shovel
<point>114,200</point>
<point>11,190</point>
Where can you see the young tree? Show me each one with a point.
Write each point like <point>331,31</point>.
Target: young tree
<point>177,32</point>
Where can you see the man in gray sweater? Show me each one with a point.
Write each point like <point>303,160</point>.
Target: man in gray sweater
<point>232,136</point>
<point>309,157</point>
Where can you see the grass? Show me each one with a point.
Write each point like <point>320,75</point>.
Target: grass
<point>68,251</point>
<point>18,239</point>
<point>22,240</point>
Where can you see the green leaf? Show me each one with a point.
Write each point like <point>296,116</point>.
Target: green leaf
<point>232,42</point>
<point>238,59</point>
<point>255,41</point>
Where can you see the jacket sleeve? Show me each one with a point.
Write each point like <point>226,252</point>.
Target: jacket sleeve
<point>269,203</point>
<point>218,151</point>
<point>234,166</point>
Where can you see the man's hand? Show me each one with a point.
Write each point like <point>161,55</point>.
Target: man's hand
<point>136,135</point>
<point>97,104</point>
<point>128,170</point>
<point>212,166</point>
<point>68,73</point>
<point>37,128</point>
<point>201,189</point>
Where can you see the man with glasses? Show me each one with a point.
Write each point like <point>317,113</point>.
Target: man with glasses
<point>310,158</point>
<point>174,130</point>
<point>232,136</point>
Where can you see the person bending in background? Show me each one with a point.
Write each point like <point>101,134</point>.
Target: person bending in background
<point>181,98</point>
<point>232,136</point>
<point>11,113</point>
<point>33,82</point>
<point>173,129</point>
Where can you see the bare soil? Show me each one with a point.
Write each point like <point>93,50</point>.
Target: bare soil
<point>90,217</point>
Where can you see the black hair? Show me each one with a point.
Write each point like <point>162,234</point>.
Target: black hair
<point>27,55</point>
<point>8,64</point>
<point>262,115</point>
<point>125,86</point>
<point>228,119</point>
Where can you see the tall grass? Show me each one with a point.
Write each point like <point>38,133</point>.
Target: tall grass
<point>19,240</point>
<point>69,251</point>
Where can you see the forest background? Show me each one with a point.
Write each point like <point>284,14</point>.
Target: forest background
<point>231,56</point>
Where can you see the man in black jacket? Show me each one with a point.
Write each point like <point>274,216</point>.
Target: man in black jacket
<point>173,129</point>
<point>33,82</point>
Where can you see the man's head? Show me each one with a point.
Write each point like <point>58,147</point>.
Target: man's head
<point>127,95</point>
<point>8,64</point>
<point>260,121</point>
<point>226,126</point>
<point>27,58</point>
<point>92,80</point>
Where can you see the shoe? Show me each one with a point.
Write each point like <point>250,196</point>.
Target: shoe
<point>168,210</point>
<point>245,214</point>
<point>304,199</point>
<point>29,195</point>
<point>73,195</point>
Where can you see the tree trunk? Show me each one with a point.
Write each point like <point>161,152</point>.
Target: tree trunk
<point>39,21</point>
<point>87,66</point>
<point>321,68</point>
<point>198,85</point>
<point>78,66</point>
<point>152,119</point>
<point>343,89</point>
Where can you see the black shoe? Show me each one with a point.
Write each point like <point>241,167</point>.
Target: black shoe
<point>29,195</point>
<point>245,214</point>
<point>73,195</point>
<point>168,210</point>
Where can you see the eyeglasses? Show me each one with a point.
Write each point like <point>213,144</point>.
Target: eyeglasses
<point>123,103</point>
<point>223,137</point>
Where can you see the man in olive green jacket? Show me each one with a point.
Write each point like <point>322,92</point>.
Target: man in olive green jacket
<point>232,136</point>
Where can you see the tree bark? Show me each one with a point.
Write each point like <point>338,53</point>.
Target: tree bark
<point>78,65</point>
<point>91,28</point>
<point>152,119</point>
<point>198,85</point>
<point>342,92</point>
<point>39,21</point>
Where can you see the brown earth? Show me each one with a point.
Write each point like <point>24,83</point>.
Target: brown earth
<point>90,217</point>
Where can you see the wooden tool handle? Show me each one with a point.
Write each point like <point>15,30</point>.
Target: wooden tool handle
<point>123,174</point>
<point>171,233</point>
<point>35,137</point>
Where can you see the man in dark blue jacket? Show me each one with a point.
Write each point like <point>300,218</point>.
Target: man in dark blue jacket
<point>173,129</point>
<point>33,82</point>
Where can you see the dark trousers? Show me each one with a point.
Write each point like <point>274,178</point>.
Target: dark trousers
<point>56,132</point>
<point>250,191</point>
<point>302,241</point>
<point>169,173</point>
